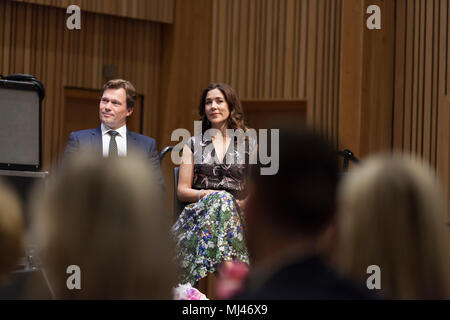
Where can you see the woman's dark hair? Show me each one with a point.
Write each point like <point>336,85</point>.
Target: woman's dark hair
<point>236,118</point>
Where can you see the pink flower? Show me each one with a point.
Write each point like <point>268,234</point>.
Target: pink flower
<point>187,292</point>
<point>194,294</point>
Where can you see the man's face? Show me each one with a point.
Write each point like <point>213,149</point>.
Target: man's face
<point>113,108</point>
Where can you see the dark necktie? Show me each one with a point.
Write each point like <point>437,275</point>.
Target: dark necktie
<point>113,144</point>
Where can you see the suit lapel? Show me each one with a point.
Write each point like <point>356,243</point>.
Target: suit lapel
<point>132,142</point>
<point>96,140</point>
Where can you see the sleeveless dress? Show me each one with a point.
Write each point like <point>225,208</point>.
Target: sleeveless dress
<point>210,230</point>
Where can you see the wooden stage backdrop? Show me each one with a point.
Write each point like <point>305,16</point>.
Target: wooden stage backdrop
<point>35,40</point>
<point>421,109</point>
<point>366,90</point>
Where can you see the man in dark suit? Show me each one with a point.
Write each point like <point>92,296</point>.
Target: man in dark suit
<point>112,138</point>
<point>285,219</point>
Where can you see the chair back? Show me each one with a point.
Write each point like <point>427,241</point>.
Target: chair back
<point>178,205</point>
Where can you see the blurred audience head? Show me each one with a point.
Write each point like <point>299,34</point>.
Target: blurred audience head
<point>108,217</point>
<point>11,232</point>
<point>391,214</point>
<point>299,200</point>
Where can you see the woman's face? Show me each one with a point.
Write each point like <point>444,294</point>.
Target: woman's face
<point>216,108</point>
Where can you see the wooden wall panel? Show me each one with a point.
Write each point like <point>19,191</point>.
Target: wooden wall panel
<point>377,80</point>
<point>184,74</point>
<point>421,105</point>
<point>351,76</point>
<point>150,10</point>
<point>366,79</point>
<point>420,68</point>
<point>35,40</point>
<point>281,49</point>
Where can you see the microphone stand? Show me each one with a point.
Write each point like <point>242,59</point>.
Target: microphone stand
<point>348,156</point>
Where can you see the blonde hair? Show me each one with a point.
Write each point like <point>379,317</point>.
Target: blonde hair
<point>391,214</point>
<point>109,218</point>
<point>11,231</point>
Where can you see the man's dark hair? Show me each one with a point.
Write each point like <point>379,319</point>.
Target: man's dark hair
<point>302,195</point>
<point>122,84</point>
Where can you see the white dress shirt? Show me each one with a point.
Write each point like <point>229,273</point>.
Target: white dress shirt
<point>121,140</point>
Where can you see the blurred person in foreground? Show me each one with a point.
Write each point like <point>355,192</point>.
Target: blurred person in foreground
<point>11,233</point>
<point>287,213</point>
<point>391,214</point>
<point>108,217</point>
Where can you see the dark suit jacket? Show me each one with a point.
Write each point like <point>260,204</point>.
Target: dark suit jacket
<point>91,139</point>
<point>308,278</point>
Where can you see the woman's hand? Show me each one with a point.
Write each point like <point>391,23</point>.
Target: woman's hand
<point>204,193</point>
<point>242,204</point>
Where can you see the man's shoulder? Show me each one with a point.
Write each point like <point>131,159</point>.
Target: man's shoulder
<point>85,132</point>
<point>141,137</point>
<point>307,279</point>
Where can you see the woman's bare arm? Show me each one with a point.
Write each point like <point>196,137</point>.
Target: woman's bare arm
<point>185,192</point>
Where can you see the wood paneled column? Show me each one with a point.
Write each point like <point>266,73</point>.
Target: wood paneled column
<point>185,72</point>
<point>367,78</point>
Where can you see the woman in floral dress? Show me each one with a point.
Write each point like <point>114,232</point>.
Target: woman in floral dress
<point>209,231</point>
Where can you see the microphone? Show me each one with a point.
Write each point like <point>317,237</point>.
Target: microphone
<point>348,156</point>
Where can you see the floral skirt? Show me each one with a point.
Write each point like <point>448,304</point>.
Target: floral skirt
<point>208,232</point>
